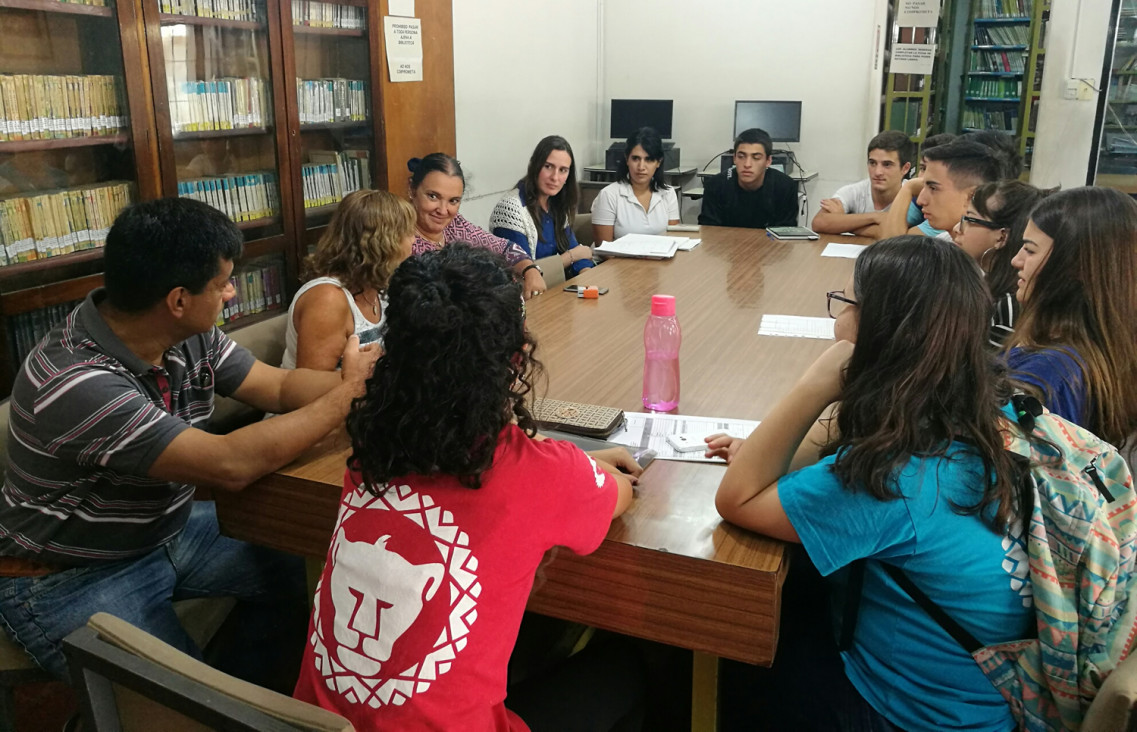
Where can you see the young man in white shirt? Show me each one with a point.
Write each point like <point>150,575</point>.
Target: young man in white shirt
<point>859,207</point>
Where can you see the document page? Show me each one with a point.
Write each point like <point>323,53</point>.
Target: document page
<point>848,251</point>
<point>796,326</point>
<point>648,430</point>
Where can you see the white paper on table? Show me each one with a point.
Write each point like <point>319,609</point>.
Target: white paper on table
<point>649,430</point>
<point>689,244</point>
<point>848,251</point>
<point>642,245</point>
<point>796,326</point>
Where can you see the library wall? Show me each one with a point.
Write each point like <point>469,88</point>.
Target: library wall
<point>1075,47</point>
<point>522,71</point>
<point>707,55</point>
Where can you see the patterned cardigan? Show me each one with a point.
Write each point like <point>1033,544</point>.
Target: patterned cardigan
<point>462,230</point>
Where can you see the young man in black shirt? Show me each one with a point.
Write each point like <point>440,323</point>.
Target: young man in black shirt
<point>750,194</point>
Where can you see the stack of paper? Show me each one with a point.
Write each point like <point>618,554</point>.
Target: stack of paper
<point>687,245</point>
<point>840,249</point>
<point>644,246</point>
<point>796,326</point>
<point>643,430</point>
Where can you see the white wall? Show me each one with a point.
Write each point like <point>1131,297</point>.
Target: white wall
<point>1075,48</point>
<point>705,55</point>
<point>522,70</point>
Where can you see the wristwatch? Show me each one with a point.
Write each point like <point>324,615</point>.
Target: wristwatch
<point>533,266</point>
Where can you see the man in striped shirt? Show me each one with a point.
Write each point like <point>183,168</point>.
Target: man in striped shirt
<point>106,446</point>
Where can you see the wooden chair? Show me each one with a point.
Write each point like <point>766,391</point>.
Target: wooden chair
<point>1112,709</point>
<point>129,681</point>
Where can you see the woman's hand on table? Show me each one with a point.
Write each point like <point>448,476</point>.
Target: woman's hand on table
<point>534,284</point>
<point>620,459</point>
<point>722,446</point>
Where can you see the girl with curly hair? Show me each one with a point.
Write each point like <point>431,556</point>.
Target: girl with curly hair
<point>450,502</point>
<point>369,235</point>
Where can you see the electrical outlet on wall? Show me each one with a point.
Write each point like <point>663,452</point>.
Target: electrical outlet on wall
<point>1086,89</point>
<point>1071,90</point>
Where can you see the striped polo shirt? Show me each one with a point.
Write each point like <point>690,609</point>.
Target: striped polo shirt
<point>89,418</point>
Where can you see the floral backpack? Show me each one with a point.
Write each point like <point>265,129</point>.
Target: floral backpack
<point>1081,540</point>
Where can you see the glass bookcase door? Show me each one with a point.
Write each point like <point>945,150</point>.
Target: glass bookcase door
<point>219,102</point>
<point>332,61</point>
<point>1117,150</point>
<point>67,164</point>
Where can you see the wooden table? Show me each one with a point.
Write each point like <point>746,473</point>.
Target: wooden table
<point>670,570</point>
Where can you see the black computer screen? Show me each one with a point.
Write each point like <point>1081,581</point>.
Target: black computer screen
<point>782,120</point>
<point>628,115</point>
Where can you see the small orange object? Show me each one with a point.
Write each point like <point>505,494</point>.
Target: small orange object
<point>589,293</point>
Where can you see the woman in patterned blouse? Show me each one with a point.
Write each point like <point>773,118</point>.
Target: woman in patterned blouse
<point>436,187</point>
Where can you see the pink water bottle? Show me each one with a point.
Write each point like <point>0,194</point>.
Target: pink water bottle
<point>661,356</point>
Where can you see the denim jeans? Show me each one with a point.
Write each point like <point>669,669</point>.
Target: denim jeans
<point>39,612</point>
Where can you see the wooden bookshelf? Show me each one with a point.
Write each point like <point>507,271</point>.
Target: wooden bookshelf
<point>126,40</point>
<point>18,146</point>
<point>178,19</point>
<point>314,31</point>
<point>54,6</point>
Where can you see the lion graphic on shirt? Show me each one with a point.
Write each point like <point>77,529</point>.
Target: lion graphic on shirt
<point>377,596</point>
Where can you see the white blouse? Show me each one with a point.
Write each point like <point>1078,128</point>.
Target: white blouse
<point>616,206</point>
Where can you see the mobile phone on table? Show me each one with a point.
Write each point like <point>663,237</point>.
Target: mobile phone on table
<point>687,442</point>
<point>578,288</point>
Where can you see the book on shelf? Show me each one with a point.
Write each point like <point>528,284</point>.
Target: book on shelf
<point>331,100</point>
<point>45,107</point>
<point>227,103</point>
<point>1005,119</point>
<point>221,9</point>
<point>26,330</point>
<point>1005,61</point>
<point>978,86</point>
<point>241,197</point>
<point>259,286</point>
<point>1003,8</point>
<point>330,175</point>
<point>53,223</point>
<point>1002,35</point>
<point>314,14</point>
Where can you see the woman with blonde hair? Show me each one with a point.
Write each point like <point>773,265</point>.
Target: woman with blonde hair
<point>369,235</point>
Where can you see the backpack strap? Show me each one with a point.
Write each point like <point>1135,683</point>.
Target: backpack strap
<point>945,621</point>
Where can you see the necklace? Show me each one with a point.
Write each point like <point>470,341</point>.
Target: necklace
<point>374,305</point>
<point>431,239</point>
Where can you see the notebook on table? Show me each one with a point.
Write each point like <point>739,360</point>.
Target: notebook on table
<point>791,232</point>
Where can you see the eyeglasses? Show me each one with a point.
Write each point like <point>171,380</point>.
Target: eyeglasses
<point>843,301</point>
<point>965,220</point>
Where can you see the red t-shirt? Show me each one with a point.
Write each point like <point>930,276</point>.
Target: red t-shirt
<point>422,595</point>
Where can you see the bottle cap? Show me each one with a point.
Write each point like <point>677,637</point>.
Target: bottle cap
<point>663,305</point>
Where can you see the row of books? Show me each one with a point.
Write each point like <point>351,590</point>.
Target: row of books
<point>59,222</point>
<point>220,104</point>
<point>260,286</point>
<point>1002,9</point>
<point>332,175</point>
<point>243,197</point>
<point>998,61</point>
<point>1001,119</point>
<point>331,100</point>
<point>326,15</point>
<point>1002,35</point>
<point>981,86</point>
<point>25,330</point>
<point>224,9</point>
<point>38,107</point>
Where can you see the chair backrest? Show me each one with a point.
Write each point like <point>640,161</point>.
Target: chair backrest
<point>5,415</point>
<point>265,339</point>
<point>582,227</point>
<point>129,680</point>
<point>1112,709</point>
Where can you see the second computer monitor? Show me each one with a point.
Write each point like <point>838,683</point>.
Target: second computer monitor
<point>781,120</point>
<point>628,115</point>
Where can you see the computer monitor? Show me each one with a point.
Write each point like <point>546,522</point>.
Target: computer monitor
<point>782,120</point>
<point>628,115</point>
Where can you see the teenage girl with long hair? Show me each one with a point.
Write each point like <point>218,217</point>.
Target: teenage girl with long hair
<point>1076,339</point>
<point>911,472</point>
<point>991,231</point>
<point>449,504</point>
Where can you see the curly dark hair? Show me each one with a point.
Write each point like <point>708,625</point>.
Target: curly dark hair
<point>458,365</point>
